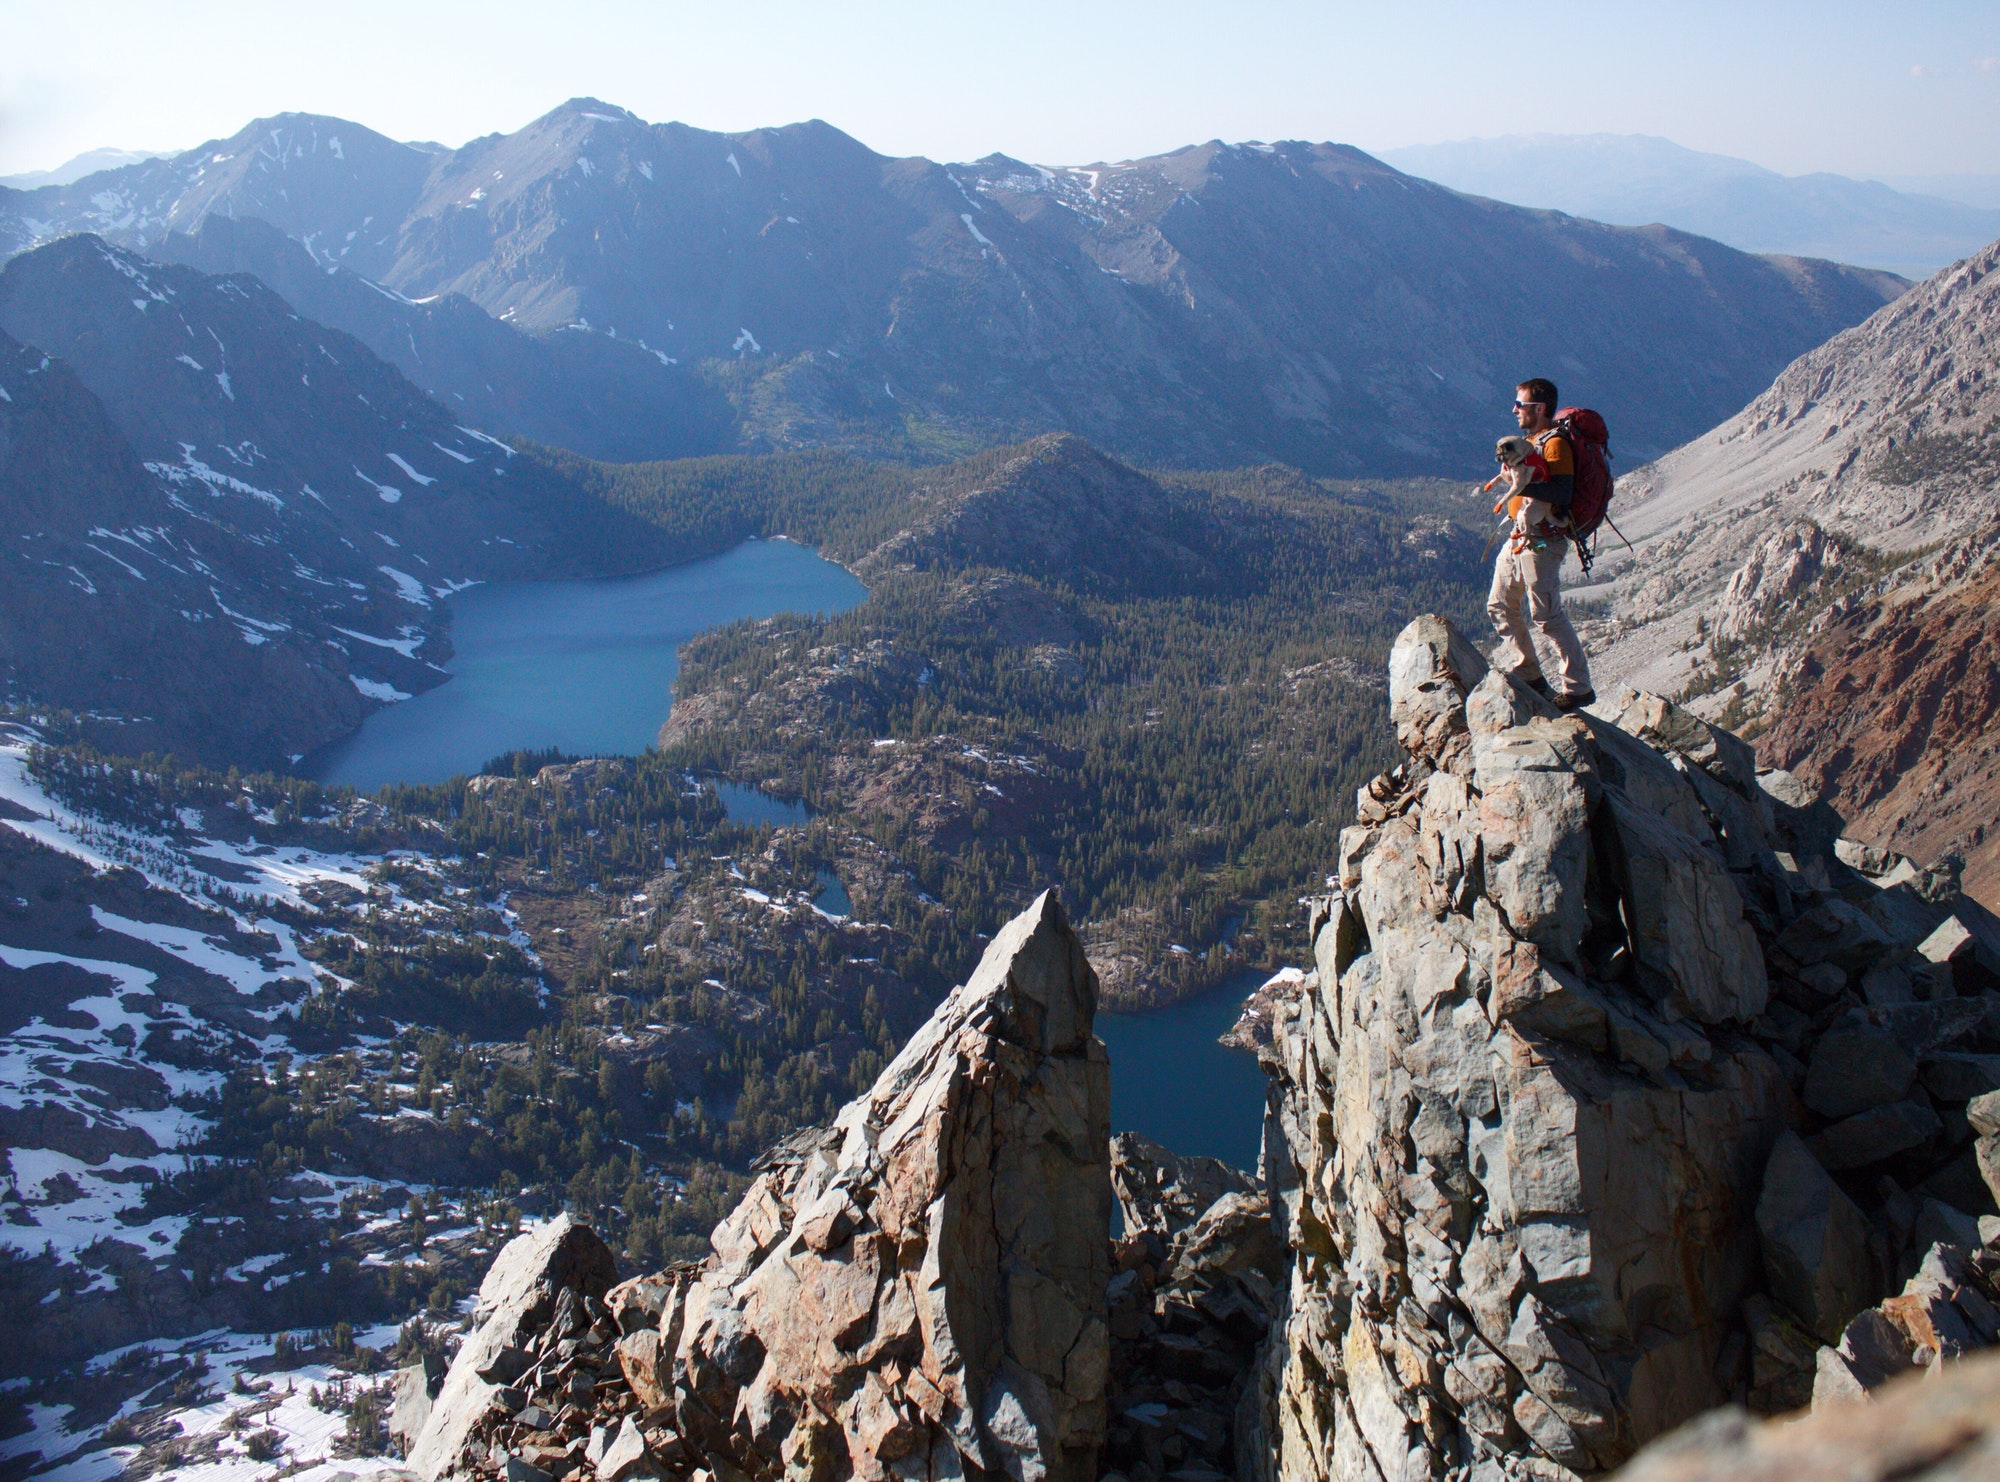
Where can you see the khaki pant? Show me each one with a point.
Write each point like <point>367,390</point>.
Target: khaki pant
<point>1529,578</point>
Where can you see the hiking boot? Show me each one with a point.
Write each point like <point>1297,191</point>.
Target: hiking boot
<point>1567,703</point>
<point>1538,684</point>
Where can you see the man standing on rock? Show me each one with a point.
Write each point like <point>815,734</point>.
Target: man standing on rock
<point>1528,571</point>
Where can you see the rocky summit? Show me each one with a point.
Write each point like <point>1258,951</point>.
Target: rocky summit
<point>1622,1089</point>
<point>1615,1094</point>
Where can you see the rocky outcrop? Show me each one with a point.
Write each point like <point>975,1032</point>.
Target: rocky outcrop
<point>918,1289</point>
<point>926,1288</point>
<point>1191,1297</point>
<point>1161,1191</point>
<point>1623,1087</point>
<point>1615,1092</point>
<point>1938,1429</point>
<point>921,1287</point>
<point>1944,1313</point>
<point>541,1292</point>
<point>1911,1387</point>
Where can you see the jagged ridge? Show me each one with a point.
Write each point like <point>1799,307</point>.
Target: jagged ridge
<point>1621,1088</point>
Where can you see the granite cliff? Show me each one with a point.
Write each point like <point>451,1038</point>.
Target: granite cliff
<point>1622,1085</point>
<point>1623,1088</point>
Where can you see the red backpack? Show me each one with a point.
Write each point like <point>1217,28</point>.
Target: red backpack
<point>1589,440</point>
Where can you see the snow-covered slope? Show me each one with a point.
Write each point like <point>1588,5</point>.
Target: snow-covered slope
<point>215,1407</point>
<point>141,965</point>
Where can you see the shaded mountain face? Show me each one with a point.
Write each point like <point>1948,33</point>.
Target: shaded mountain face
<point>577,389</point>
<point>235,529</point>
<point>1818,570</point>
<point>1634,178</point>
<point>148,615</point>
<point>1058,510</point>
<point>1215,306</point>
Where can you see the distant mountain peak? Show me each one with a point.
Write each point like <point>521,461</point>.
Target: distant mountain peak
<point>587,111</point>
<point>1637,179</point>
<point>90,162</point>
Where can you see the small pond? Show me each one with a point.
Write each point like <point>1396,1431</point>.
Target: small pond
<point>758,809</point>
<point>833,898</point>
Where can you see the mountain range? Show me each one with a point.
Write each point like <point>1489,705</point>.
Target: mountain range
<point>1215,306</point>
<point>230,530</point>
<point>1636,178</point>
<point>591,393</point>
<point>88,163</point>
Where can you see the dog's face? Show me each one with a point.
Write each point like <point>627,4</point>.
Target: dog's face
<point>1510,451</point>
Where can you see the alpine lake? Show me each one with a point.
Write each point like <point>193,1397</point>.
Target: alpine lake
<point>588,667</point>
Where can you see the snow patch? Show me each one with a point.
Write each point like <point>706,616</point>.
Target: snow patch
<point>407,647</point>
<point>261,627</point>
<point>114,560</point>
<point>407,586</point>
<point>192,469</point>
<point>389,492</point>
<point>375,689</point>
<point>196,950</point>
<point>423,479</point>
<point>475,432</point>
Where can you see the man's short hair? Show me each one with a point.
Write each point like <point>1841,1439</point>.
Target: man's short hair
<point>1540,389</point>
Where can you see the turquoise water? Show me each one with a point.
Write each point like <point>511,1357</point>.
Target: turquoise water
<point>588,668</point>
<point>1172,1082</point>
<point>585,666</point>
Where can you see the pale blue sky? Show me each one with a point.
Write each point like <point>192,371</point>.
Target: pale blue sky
<point>1857,88</point>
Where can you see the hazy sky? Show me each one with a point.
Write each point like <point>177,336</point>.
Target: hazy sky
<point>1857,88</point>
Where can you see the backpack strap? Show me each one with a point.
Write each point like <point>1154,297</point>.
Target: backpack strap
<point>1560,510</point>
